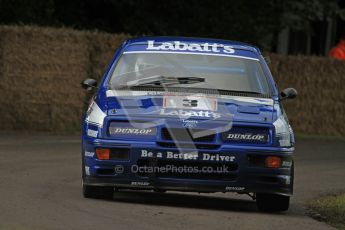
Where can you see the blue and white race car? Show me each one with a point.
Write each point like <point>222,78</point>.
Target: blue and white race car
<point>188,114</point>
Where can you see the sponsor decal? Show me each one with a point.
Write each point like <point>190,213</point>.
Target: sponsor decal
<point>92,133</point>
<point>169,155</point>
<point>182,156</point>
<point>247,137</point>
<point>287,163</point>
<point>217,157</point>
<point>190,113</point>
<point>187,156</point>
<point>89,154</point>
<point>229,188</point>
<point>87,170</point>
<point>181,46</point>
<point>135,131</point>
<point>140,183</point>
<point>188,123</point>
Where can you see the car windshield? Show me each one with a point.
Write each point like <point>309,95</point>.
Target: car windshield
<point>224,73</point>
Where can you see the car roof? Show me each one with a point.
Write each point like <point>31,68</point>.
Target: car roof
<point>161,39</point>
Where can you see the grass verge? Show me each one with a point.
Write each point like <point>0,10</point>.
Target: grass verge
<point>330,209</point>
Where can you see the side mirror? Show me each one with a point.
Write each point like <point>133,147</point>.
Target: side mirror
<point>89,84</point>
<point>288,93</point>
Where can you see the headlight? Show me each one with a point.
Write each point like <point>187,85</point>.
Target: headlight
<point>283,132</point>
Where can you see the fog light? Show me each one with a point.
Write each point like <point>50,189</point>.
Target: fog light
<point>103,154</point>
<point>273,162</point>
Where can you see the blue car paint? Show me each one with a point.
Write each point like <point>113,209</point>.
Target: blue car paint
<point>249,178</point>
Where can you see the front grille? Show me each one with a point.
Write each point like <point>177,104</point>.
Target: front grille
<point>230,175</point>
<point>177,134</point>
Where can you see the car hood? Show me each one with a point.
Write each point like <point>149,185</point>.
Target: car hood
<point>144,104</point>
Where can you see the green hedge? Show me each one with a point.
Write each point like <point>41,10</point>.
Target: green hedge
<point>41,70</point>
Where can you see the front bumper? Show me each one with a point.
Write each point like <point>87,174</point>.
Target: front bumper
<point>245,176</point>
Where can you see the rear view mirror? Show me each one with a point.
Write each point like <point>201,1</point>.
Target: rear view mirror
<point>288,93</point>
<point>89,84</point>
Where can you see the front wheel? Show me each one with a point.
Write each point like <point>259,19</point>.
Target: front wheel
<point>98,192</point>
<point>272,202</point>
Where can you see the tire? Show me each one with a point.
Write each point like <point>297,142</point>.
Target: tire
<point>98,192</point>
<point>272,202</point>
<point>292,176</point>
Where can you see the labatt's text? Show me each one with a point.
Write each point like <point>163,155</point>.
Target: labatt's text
<point>181,46</point>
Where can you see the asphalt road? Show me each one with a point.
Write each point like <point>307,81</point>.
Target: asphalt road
<point>40,188</point>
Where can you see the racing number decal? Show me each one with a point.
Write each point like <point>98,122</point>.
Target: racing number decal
<point>190,103</point>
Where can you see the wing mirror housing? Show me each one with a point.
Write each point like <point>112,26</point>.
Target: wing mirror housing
<point>288,93</point>
<point>89,84</point>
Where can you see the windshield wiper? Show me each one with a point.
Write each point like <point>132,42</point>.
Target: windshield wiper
<point>239,91</point>
<point>163,81</point>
